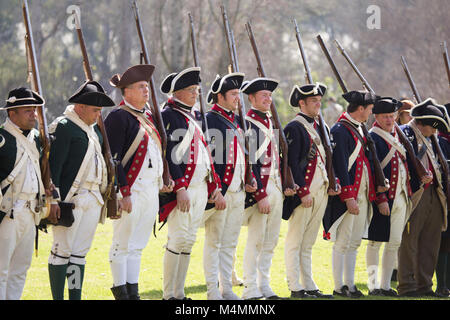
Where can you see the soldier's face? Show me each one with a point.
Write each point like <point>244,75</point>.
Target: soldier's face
<point>24,117</point>
<point>187,95</point>
<point>261,100</point>
<point>311,106</point>
<point>386,120</point>
<point>366,112</point>
<point>230,100</point>
<point>89,114</point>
<point>137,94</point>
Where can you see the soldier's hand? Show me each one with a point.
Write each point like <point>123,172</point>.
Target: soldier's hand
<point>307,201</point>
<point>125,204</point>
<point>384,208</point>
<point>55,213</point>
<point>335,193</point>
<point>352,206</point>
<point>427,178</point>
<point>290,192</point>
<point>264,206</point>
<point>169,188</point>
<point>183,201</point>
<point>220,203</point>
<point>251,188</point>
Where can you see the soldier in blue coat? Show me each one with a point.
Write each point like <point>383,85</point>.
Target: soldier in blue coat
<point>421,237</point>
<point>223,223</point>
<point>392,208</point>
<point>191,167</point>
<point>264,206</point>
<point>305,210</point>
<point>348,214</point>
<point>136,145</point>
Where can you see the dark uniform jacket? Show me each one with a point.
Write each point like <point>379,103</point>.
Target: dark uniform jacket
<point>260,166</point>
<point>302,161</point>
<point>181,172</point>
<point>122,128</point>
<point>344,143</point>
<point>68,147</point>
<point>227,124</point>
<point>380,226</point>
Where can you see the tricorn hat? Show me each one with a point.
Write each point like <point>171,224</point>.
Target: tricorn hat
<point>23,97</point>
<point>223,84</point>
<point>432,114</point>
<point>386,105</point>
<point>360,98</point>
<point>177,81</point>
<point>140,72</point>
<point>307,90</point>
<point>92,93</point>
<point>259,84</point>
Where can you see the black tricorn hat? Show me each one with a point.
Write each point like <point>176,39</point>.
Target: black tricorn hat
<point>259,84</point>
<point>223,84</point>
<point>386,105</point>
<point>140,72</point>
<point>177,81</point>
<point>307,90</point>
<point>92,93</point>
<point>23,97</point>
<point>432,114</point>
<point>360,98</point>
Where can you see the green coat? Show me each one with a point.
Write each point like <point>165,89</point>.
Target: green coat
<point>68,147</point>
<point>8,152</point>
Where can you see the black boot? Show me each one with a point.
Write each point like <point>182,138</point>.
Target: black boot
<point>120,292</point>
<point>133,291</point>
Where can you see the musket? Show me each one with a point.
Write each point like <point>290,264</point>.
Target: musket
<point>446,59</point>
<point>380,179</point>
<point>322,127</point>
<point>288,180</point>
<point>36,86</point>
<point>434,140</point>
<point>418,165</point>
<point>197,64</point>
<point>156,113</point>
<point>110,195</point>
<point>234,67</point>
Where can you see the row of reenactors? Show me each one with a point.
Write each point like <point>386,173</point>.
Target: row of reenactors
<point>208,188</point>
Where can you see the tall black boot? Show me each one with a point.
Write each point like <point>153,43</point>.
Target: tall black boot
<point>133,291</point>
<point>120,292</point>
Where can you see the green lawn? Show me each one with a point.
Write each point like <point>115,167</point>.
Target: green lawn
<point>98,278</point>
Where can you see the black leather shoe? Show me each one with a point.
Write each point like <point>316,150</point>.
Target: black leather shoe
<point>133,291</point>
<point>318,294</point>
<point>375,292</point>
<point>344,292</point>
<point>301,294</point>
<point>356,294</point>
<point>389,293</point>
<point>120,292</point>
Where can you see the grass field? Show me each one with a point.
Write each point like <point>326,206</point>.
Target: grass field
<point>98,280</point>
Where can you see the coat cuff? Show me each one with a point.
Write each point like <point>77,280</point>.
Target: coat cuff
<point>381,198</point>
<point>125,191</point>
<point>179,184</point>
<point>260,194</point>
<point>303,191</point>
<point>348,192</point>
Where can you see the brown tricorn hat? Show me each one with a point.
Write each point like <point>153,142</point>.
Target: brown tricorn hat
<point>140,72</point>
